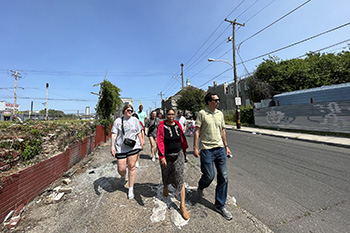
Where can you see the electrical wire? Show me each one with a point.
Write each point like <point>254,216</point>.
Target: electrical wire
<point>210,37</point>
<point>216,76</point>
<point>330,46</point>
<point>295,9</point>
<point>296,43</point>
<point>247,9</point>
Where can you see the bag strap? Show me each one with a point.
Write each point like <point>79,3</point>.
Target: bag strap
<point>123,126</point>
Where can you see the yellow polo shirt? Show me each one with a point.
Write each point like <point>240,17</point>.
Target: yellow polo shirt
<point>211,125</point>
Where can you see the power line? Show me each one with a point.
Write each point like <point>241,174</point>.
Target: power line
<point>198,61</point>
<point>247,9</point>
<point>296,43</point>
<point>330,46</point>
<point>259,12</point>
<point>239,45</point>
<point>236,30</point>
<point>235,8</point>
<point>74,100</point>
<point>210,37</point>
<point>216,77</point>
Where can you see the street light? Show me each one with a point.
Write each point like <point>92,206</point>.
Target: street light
<point>237,99</point>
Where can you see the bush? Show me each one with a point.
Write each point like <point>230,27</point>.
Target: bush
<point>247,115</point>
<point>32,148</point>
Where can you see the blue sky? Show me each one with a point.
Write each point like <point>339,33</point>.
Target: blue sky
<point>141,44</point>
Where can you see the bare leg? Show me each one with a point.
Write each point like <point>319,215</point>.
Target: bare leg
<point>151,139</point>
<point>183,210</point>
<point>132,169</point>
<point>121,166</point>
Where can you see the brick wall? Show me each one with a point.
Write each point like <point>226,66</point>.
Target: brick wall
<point>24,186</point>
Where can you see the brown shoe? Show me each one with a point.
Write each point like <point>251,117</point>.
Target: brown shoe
<point>185,214</point>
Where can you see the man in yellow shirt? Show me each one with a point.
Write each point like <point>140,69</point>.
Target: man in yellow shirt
<point>210,125</point>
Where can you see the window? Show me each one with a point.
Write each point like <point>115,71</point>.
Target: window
<point>246,87</point>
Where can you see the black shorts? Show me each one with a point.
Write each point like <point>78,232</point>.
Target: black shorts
<point>127,154</point>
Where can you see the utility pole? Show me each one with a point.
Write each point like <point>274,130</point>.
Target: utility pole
<point>16,75</point>
<point>31,110</point>
<point>237,99</point>
<point>47,104</point>
<point>161,100</point>
<point>182,75</point>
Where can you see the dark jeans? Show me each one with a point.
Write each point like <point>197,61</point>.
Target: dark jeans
<point>208,158</point>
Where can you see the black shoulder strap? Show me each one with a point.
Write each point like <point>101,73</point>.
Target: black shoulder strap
<point>123,125</point>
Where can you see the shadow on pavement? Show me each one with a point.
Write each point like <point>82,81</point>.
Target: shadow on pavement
<point>144,190</point>
<point>109,184</point>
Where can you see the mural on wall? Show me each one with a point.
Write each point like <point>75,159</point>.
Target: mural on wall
<point>327,116</point>
<point>277,117</point>
<point>332,114</point>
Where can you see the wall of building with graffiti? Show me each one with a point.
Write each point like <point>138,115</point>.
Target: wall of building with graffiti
<point>308,110</point>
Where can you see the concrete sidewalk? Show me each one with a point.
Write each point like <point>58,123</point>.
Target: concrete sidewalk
<point>329,140</point>
<point>98,202</point>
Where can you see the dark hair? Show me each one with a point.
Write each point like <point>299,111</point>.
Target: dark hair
<point>135,115</point>
<point>170,110</point>
<point>179,112</point>
<point>208,98</point>
<point>126,107</point>
<point>152,112</point>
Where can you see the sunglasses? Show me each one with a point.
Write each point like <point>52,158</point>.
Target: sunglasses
<point>216,100</point>
<point>171,114</point>
<point>129,110</point>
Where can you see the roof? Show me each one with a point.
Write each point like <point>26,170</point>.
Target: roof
<point>323,88</point>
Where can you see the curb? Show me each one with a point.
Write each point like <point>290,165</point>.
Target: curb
<point>293,138</point>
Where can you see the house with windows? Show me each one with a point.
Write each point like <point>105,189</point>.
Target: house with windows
<point>170,102</point>
<point>227,94</point>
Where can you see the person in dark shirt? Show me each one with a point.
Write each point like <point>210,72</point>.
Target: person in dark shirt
<point>172,145</point>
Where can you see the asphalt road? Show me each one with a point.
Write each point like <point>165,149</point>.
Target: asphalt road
<point>290,185</point>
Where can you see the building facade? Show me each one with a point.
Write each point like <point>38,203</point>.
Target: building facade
<point>227,94</point>
<point>170,102</point>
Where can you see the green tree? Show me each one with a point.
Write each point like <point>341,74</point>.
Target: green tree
<point>108,102</point>
<point>192,99</point>
<point>258,89</point>
<point>53,113</point>
<point>274,76</point>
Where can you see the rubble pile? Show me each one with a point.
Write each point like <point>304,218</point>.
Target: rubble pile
<point>35,141</point>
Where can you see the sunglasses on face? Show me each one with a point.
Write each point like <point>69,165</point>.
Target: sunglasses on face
<point>129,110</point>
<point>216,100</point>
<point>171,114</point>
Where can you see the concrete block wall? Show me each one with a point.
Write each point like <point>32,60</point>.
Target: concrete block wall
<point>325,116</point>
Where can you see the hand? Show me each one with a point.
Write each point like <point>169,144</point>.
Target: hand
<point>113,151</point>
<point>163,162</point>
<point>228,151</point>
<point>195,152</point>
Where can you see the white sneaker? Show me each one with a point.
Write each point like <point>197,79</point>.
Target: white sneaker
<point>153,159</point>
<point>157,157</point>
<point>131,193</point>
<point>137,164</point>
